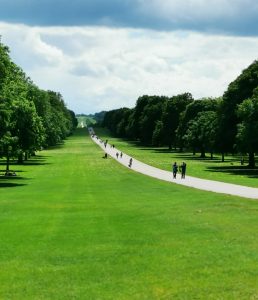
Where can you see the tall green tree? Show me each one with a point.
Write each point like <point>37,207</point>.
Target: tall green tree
<point>29,117</point>
<point>240,89</point>
<point>190,113</point>
<point>157,136</point>
<point>27,127</point>
<point>172,110</point>
<point>247,133</point>
<point>202,132</point>
<point>151,113</point>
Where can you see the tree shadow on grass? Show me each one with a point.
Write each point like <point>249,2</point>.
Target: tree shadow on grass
<point>197,157</point>
<point>10,184</point>
<point>35,161</point>
<point>12,181</point>
<point>157,150</point>
<point>186,155</point>
<point>235,170</point>
<point>58,146</point>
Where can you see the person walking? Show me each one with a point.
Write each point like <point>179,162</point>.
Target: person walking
<point>183,170</point>
<point>130,162</point>
<point>174,170</point>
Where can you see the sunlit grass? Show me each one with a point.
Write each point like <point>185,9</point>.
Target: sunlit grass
<point>76,226</point>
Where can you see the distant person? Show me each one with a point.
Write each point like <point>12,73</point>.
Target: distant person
<point>174,169</point>
<point>105,155</point>
<point>117,154</point>
<point>183,170</point>
<point>130,162</point>
<point>121,154</point>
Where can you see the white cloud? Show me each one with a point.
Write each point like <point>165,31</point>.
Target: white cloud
<point>98,68</point>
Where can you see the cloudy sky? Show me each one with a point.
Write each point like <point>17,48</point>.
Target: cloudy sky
<point>104,54</point>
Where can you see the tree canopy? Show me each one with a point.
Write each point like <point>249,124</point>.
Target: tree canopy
<point>30,118</point>
<point>227,123</point>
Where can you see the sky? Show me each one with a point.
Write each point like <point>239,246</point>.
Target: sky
<point>104,54</point>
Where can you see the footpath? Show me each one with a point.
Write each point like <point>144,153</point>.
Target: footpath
<point>198,183</point>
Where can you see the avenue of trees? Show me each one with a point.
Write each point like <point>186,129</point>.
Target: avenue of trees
<point>30,118</point>
<point>228,124</point>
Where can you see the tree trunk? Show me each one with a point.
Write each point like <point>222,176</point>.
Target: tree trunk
<point>20,158</point>
<point>7,162</point>
<point>203,153</point>
<point>251,159</point>
<point>222,156</point>
<point>211,155</point>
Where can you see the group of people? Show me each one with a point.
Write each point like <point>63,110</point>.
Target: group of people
<point>121,154</point>
<point>181,168</point>
<point>175,167</point>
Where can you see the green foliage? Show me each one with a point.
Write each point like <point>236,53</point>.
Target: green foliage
<point>191,112</point>
<point>27,126</point>
<point>151,113</point>
<point>172,112</point>
<point>157,135</point>
<point>239,90</point>
<point>30,118</point>
<point>247,134</point>
<point>202,132</point>
<point>181,121</point>
<point>91,119</point>
<point>116,120</point>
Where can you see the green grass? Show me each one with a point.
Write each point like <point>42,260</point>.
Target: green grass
<point>229,171</point>
<point>85,121</point>
<point>76,226</point>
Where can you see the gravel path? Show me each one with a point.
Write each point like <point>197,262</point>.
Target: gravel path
<point>198,183</point>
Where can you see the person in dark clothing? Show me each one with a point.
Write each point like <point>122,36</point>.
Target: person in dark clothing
<point>174,170</point>
<point>130,162</point>
<point>183,170</point>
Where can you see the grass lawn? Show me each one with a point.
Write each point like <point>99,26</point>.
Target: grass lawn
<point>85,120</point>
<point>76,226</point>
<point>229,171</point>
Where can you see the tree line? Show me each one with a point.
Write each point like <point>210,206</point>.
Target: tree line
<point>30,118</point>
<point>227,124</point>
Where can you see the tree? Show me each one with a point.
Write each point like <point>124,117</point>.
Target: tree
<point>150,115</point>
<point>240,89</point>
<point>29,117</point>
<point>121,126</point>
<point>27,127</point>
<point>247,129</point>
<point>157,135</point>
<point>171,115</point>
<point>190,113</point>
<point>201,133</point>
